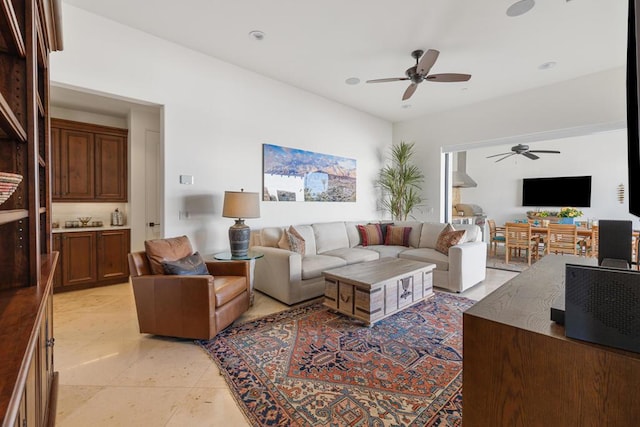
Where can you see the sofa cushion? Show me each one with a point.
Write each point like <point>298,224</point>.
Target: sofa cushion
<point>353,233</point>
<point>385,251</point>
<point>171,249</point>
<point>330,236</point>
<point>187,266</point>
<point>427,255</point>
<point>228,287</point>
<point>371,234</point>
<point>397,236</point>
<point>474,234</point>
<point>314,265</point>
<point>449,237</point>
<point>430,233</point>
<point>416,229</point>
<point>354,255</point>
<point>270,236</point>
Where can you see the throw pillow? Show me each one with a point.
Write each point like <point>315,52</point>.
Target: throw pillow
<point>187,266</point>
<point>397,236</point>
<point>296,241</point>
<point>283,243</point>
<point>449,237</point>
<point>170,249</point>
<point>383,227</point>
<point>370,234</point>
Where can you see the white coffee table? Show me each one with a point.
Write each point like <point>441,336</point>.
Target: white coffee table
<point>371,291</point>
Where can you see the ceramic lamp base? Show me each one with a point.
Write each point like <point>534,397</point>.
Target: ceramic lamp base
<point>239,234</point>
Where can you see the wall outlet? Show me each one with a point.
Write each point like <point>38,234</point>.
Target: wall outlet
<point>186,179</point>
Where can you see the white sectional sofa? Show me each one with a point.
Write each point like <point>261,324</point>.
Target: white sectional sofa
<point>290,277</point>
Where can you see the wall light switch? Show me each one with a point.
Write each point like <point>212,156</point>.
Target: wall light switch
<point>186,179</point>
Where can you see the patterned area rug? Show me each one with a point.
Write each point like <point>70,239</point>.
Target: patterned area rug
<point>310,366</point>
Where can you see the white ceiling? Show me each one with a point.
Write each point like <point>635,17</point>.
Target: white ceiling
<point>316,46</point>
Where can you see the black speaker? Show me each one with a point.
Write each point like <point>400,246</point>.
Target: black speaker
<point>602,305</point>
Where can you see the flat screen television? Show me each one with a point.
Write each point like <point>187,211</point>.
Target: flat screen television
<point>633,100</point>
<point>574,191</point>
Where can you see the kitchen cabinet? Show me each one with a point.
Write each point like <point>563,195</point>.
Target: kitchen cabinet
<point>89,162</point>
<point>92,258</point>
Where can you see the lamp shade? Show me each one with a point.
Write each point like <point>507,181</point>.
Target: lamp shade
<point>241,204</point>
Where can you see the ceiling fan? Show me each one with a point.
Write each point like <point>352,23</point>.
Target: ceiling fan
<point>420,72</point>
<point>524,150</point>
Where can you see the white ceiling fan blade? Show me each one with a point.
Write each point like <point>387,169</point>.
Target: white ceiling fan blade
<point>427,61</point>
<point>448,77</point>
<point>390,79</point>
<point>410,90</point>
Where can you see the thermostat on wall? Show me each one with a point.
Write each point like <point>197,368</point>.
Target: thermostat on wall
<point>186,179</point>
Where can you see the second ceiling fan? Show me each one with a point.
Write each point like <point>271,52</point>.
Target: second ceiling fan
<point>420,72</point>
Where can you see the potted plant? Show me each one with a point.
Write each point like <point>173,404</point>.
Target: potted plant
<point>567,215</point>
<point>400,182</point>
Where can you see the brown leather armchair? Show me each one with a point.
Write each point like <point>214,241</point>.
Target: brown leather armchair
<point>196,307</point>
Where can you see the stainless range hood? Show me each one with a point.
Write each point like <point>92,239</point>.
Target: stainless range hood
<point>460,179</point>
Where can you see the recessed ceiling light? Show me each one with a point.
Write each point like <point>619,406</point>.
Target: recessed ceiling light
<point>352,81</point>
<point>405,106</point>
<point>520,7</point>
<point>257,35</point>
<point>547,65</point>
<point>465,88</point>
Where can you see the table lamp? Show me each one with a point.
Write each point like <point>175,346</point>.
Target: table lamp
<point>240,205</point>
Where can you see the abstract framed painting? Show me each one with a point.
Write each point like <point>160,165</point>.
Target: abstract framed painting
<point>294,175</point>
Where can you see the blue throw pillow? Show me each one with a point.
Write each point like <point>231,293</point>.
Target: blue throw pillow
<point>187,266</point>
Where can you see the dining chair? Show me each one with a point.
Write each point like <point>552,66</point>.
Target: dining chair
<point>589,244</point>
<point>563,239</point>
<point>518,237</point>
<point>496,235</point>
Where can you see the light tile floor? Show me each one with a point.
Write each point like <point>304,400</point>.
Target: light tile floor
<point>111,375</point>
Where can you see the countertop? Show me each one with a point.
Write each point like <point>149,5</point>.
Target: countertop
<point>103,228</point>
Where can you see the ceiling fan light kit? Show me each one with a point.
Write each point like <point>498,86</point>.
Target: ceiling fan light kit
<point>522,150</point>
<point>420,72</point>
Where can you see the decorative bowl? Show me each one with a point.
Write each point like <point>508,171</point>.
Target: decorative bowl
<point>8,184</point>
<point>84,220</point>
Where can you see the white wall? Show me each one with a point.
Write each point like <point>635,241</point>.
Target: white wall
<point>603,156</point>
<point>216,116</point>
<point>596,100</point>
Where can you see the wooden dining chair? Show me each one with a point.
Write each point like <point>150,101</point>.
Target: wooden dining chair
<point>496,235</point>
<point>563,239</point>
<point>518,237</point>
<point>589,244</point>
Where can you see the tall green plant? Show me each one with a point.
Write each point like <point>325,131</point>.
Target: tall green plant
<point>400,182</point>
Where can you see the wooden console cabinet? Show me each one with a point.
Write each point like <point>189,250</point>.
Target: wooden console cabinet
<point>519,369</point>
<point>89,162</point>
<point>92,258</point>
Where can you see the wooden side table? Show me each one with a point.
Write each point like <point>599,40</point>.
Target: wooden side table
<point>251,258</point>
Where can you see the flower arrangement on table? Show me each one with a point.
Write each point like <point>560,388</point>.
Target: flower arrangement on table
<point>570,213</point>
